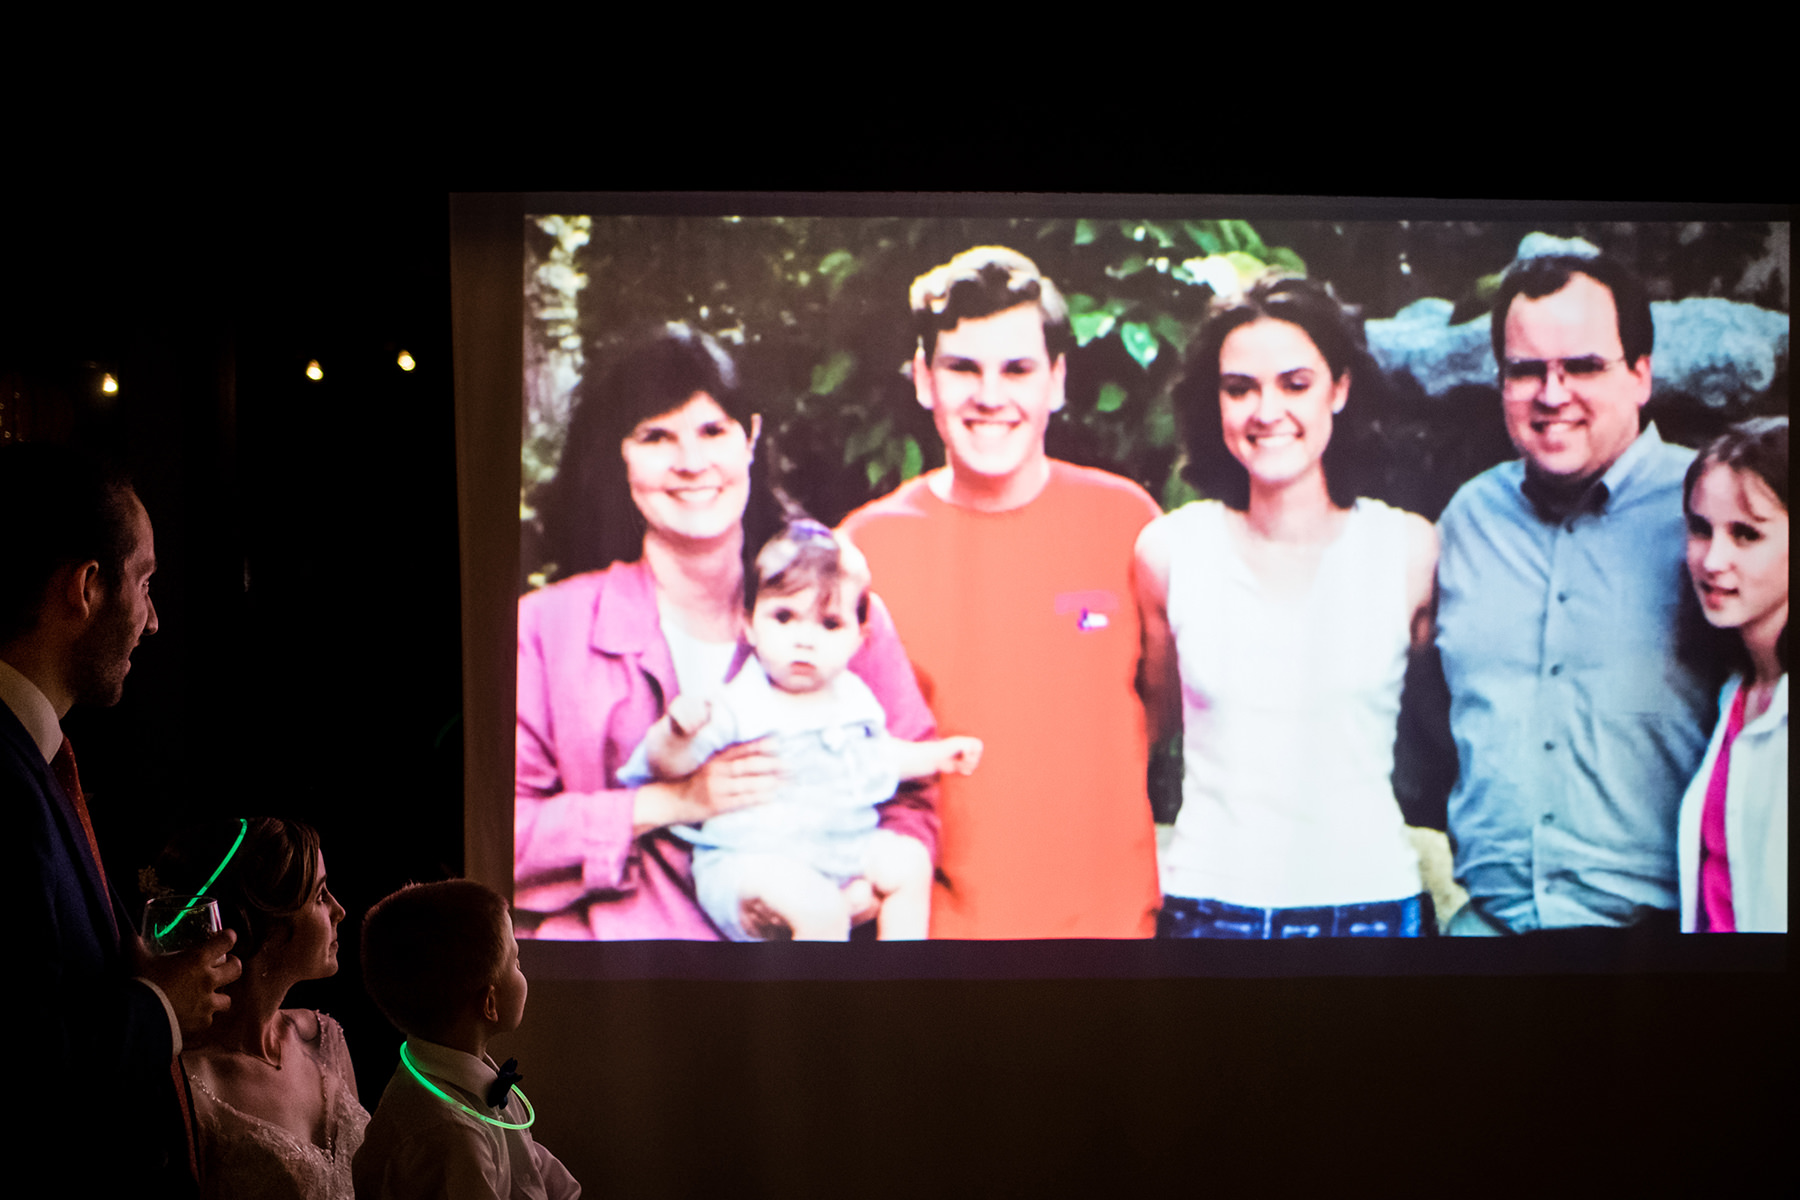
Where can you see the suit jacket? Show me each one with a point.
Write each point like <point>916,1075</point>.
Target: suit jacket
<point>89,1038</point>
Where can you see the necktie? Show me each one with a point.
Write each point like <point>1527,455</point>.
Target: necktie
<point>63,767</point>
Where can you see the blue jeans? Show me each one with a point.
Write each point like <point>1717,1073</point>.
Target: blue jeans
<point>1182,917</point>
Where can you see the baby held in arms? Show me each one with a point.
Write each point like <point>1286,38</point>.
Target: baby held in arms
<point>812,861</point>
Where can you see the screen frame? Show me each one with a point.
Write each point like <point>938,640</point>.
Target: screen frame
<point>487,294</point>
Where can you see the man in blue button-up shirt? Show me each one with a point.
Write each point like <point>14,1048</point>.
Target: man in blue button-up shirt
<point>1580,671</point>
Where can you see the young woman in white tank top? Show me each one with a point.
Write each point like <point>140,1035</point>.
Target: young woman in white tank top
<point>1278,621</point>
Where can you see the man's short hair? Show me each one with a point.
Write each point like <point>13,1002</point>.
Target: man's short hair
<point>979,283</point>
<point>58,507</point>
<point>430,950</point>
<point>1540,277</point>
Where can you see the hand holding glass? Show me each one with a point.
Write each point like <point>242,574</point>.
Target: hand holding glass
<point>176,923</point>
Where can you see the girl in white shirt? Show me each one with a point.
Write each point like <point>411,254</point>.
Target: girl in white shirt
<point>1732,837</point>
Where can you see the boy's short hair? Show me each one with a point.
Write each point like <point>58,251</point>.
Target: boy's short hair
<point>431,949</point>
<point>983,281</point>
<point>804,555</point>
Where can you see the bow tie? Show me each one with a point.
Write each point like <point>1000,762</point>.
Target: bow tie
<point>501,1088</point>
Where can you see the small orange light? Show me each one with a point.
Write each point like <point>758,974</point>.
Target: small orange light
<point>108,384</point>
<point>313,372</point>
<point>406,361</point>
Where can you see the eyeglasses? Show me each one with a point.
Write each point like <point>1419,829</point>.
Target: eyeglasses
<point>1522,377</point>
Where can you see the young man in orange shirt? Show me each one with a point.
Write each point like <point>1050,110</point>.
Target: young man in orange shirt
<point>1009,577</point>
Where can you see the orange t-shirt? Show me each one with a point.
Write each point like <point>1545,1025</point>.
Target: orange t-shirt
<point>1023,629</point>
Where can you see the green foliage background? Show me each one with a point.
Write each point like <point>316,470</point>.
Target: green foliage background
<point>815,308</point>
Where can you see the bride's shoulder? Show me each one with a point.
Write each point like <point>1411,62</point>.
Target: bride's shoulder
<point>308,1024</point>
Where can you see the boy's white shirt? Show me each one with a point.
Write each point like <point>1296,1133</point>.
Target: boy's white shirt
<point>427,1158</point>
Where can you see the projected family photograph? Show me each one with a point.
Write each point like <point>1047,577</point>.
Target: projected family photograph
<point>1150,576</point>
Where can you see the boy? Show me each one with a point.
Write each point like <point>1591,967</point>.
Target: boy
<point>441,962</point>
<point>810,861</point>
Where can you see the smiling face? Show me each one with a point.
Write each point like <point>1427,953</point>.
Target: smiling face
<point>1276,402</point>
<point>1569,427</point>
<point>1737,552</point>
<point>101,656</point>
<point>991,386</point>
<point>689,472</point>
<point>801,648</point>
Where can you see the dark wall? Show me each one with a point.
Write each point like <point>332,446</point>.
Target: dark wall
<point>307,663</point>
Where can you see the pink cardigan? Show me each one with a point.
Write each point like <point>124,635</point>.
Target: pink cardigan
<point>594,675</point>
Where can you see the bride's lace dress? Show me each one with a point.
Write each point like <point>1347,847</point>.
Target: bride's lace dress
<point>245,1156</point>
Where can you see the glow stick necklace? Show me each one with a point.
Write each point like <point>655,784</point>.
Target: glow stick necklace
<point>440,1093</point>
<point>243,830</point>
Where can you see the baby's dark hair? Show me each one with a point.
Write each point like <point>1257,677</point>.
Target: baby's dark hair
<point>804,555</point>
<point>432,949</point>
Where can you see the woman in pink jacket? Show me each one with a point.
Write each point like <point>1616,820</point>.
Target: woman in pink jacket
<point>646,520</point>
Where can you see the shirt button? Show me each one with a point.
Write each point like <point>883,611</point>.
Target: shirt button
<point>1557,669</point>
<point>1549,745</point>
<point>1549,818</point>
<point>1562,597</point>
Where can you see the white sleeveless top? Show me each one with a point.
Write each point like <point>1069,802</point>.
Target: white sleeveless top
<point>1290,709</point>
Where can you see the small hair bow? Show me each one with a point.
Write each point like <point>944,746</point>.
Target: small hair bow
<point>501,1088</point>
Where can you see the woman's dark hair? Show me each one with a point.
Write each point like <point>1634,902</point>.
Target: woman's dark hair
<point>1352,457</point>
<point>588,516</point>
<point>1756,447</point>
<point>270,878</point>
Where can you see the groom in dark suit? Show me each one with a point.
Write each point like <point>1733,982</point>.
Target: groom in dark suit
<point>94,1057</point>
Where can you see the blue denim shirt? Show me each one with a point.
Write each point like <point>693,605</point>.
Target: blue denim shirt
<point>1583,687</point>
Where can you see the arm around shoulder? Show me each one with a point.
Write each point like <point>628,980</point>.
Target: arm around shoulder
<point>1421,580</point>
<point>1158,682</point>
<point>882,664</point>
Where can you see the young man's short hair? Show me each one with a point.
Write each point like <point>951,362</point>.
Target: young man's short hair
<point>1536,278</point>
<point>430,950</point>
<point>979,283</point>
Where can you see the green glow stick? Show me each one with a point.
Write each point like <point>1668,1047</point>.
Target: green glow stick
<point>243,829</point>
<point>440,1093</point>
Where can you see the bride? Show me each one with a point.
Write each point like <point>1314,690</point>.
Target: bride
<point>274,1092</point>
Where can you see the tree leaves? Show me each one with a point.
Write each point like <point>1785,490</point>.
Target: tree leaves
<point>829,375</point>
<point>1140,343</point>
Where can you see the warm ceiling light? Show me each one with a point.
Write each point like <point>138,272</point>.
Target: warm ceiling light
<point>313,372</point>
<point>108,384</point>
<point>406,361</point>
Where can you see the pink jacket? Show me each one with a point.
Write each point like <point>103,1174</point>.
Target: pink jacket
<point>594,675</point>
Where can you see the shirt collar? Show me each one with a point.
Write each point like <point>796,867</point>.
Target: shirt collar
<point>1599,493</point>
<point>455,1067</point>
<point>33,708</point>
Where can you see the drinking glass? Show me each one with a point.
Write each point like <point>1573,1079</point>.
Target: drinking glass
<point>176,923</point>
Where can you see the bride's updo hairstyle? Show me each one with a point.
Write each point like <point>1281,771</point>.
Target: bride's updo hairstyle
<point>269,878</point>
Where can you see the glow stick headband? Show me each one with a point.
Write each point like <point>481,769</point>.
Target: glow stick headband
<point>243,831</point>
<point>440,1093</point>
